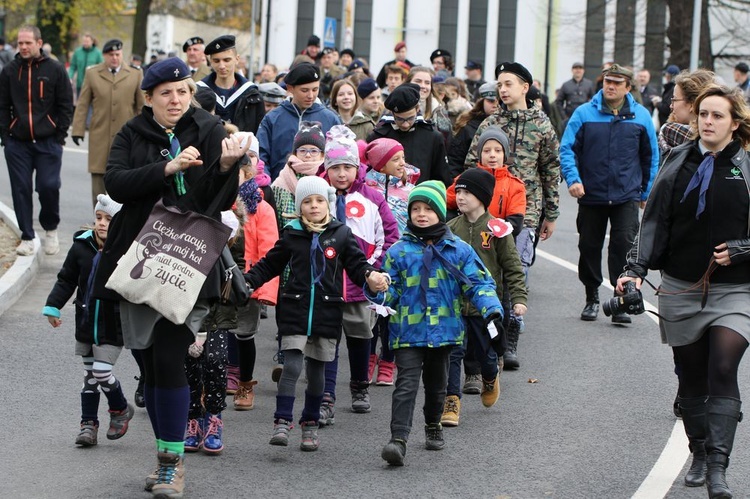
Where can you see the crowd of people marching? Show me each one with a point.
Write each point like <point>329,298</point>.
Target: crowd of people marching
<point>399,209</point>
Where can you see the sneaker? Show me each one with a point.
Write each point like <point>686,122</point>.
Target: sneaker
<point>472,384</point>
<point>360,400</point>
<point>87,437</point>
<point>490,391</point>
<point>281,428</point>
<point>244,397</point>
<point>194,435</point>
<point>394,452</point>
<point>233,379</point>
<point>310,441</point>
<point>212,442</point>
<point>138,398</point>
<point>51,243</point>
<point>385,373</point>
<point>26,248</point>
<point>326,410</point>
<point>118,422</point>
<point>371,367</point>
<point>433,434</point>
<point>451,411</point>
<point>170,481</point>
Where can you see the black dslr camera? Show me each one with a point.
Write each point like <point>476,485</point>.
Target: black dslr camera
<point>630,303</point>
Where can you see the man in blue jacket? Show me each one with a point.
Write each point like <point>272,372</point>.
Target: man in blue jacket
<point>609,157</point>
<point>280,125</point>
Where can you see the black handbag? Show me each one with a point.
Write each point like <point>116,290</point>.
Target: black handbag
<point>234,288</point>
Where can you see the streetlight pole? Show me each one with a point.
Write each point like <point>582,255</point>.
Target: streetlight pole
<point>696,35</point>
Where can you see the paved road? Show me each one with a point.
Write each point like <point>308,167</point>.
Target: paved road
<point>591,427</point>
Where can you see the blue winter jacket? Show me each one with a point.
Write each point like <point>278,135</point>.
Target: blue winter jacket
<point>278,128</point>
<point>615,157</point>
<point>433,319</point>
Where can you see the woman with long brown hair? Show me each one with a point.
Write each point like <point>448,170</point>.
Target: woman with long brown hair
<point>695,230</point>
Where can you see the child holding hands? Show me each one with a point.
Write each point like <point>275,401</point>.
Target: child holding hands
<point>316,247</point>
<point>431,270</point>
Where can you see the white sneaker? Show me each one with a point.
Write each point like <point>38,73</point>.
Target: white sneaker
<point>26,248</point>
<point>51,244</point>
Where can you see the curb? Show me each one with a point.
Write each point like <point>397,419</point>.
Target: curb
<point>14,282</point>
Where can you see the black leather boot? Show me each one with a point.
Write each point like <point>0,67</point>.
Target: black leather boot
<point>694,418</point>
<point>591,310</point>
<point>723,414</point>
<point>510,357</point>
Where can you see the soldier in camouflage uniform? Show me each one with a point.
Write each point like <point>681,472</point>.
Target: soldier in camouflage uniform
<point>533,157</point>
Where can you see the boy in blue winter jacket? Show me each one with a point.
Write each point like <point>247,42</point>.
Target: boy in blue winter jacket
<point>431,270</point>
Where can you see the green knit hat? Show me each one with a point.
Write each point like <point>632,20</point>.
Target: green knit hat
<point>431,192</point>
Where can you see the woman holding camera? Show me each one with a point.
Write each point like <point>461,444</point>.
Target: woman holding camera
<point>696,231</point>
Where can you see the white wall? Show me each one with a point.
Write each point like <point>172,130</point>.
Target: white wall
<point>422,30</point>
<point>282,32</point>
<point>385,32</point>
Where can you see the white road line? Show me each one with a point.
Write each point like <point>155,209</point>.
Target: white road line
<point>672,459</point>
<point>71,149</point>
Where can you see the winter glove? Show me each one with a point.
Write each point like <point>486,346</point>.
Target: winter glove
<point>739,250</point>
<point>497,333</point>
<point>77,139</point>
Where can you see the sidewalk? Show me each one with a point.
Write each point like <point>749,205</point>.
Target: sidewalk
<point>19,276</point>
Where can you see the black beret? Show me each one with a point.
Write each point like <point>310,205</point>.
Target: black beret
<point>742,67</point>
<point>515,68</point>
<point>172,69</point>
<point>366,87</point>
<point>224,42</point>
<point>111,45</point>
<point>301,74</point>
<point>403,98</point>
<point>192,41</point>
<point>439,53</point>
<point>348,51</point>
<point>313,40</point>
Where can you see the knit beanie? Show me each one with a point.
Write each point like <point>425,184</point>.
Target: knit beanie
<point>479,182</point>
<point>431,192</point>
<point>310,185</point>
<point>494,133</point>
<point>380,151</point>
<point>309,133</point>
<point>341,147</point>
<point>107,205</point>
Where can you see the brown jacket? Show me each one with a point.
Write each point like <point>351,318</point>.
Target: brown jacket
<point>201,72</point>
<point>114,99</point>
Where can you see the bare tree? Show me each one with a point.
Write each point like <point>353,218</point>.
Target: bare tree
<point>140,40</point>
<point>679,33</point>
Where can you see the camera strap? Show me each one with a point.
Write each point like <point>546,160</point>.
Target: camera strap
<point>703,284</point>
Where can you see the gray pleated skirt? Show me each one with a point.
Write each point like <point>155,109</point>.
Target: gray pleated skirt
<point>138,322</point>
<point>728,305</point>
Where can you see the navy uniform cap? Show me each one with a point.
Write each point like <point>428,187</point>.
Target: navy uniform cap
<point>172,69</point>
<point>403,98</point>
<point>515,68</point>
<point>196,40</point>
<point>439,53</point>
<point>301,74</point>
<point>112,45</point>
<point>224,42</point>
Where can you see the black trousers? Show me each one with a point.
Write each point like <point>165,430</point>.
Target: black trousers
<point>592,229</point>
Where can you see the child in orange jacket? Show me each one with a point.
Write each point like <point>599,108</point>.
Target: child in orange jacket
<point>509,196</point>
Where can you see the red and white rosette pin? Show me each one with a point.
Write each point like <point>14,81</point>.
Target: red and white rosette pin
<point>330,252</point>
<point>499,227</point>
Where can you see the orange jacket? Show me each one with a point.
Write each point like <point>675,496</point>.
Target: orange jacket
<point>509,197</point>
<point>261,234</point>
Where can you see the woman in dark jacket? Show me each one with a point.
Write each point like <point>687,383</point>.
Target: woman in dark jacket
<point>467,124</point>
<point>146,165</point>
<point>696,229</point>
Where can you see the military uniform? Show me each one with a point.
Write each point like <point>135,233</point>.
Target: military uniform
<point>533,158</point>
<point>200,72</point>
<point>114,99</point>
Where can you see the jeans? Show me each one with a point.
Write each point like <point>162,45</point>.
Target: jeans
<point>24,158</point>
<point>432,365</point>
<point>592,229</point>
<point>475,342</point>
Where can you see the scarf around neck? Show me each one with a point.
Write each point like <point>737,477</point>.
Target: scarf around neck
<point>287,178</point>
